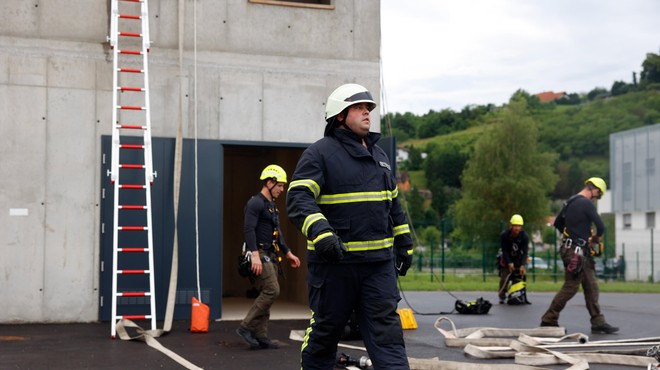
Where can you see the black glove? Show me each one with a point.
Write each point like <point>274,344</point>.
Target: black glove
<point>329,247</point>
<point>402,261</point>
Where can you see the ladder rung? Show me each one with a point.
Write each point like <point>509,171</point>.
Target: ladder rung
<point>133,166</point>
<point>134,317</point>
<point>130,70</point>
<point>131,146</point>
<point>132,127</point>
<point>133,272</point>
<point>129,88</point>
<point>132,228</point>
<point>132,186</point>
<point>131,107</point>
<point>129,34</point>
<point>129,16</point>
<point>132,207</point>
<point>132,52</point>
<point>133,250</point>
<point>133,294</point>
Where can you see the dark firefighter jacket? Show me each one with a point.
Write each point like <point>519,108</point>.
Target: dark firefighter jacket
<point>341,186</point>
<point>261,221</point>
<point>514,249</point>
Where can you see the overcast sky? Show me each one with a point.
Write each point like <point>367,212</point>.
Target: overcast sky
<point>439,54</point>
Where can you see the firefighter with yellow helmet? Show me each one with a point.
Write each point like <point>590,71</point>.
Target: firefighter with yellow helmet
<point>344,198</point>
<point>263,238</point>
<point>580,217</point>
<point>514,249</point>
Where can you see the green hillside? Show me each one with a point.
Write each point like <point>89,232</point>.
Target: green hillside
<point>571,139</point>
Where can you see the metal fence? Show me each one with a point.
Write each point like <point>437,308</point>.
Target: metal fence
<point>446,257</point>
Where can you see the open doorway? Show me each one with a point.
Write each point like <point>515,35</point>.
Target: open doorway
<point>242,167</point>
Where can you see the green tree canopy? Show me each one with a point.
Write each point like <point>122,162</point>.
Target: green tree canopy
<point>650,69</point>
<point>507,174</point>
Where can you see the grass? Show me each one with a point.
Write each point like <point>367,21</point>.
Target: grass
<point>421,281</point>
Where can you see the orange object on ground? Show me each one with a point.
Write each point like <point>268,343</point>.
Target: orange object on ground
<point>200,317</point>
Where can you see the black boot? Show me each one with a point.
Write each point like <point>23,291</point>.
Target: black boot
<point>247,336</point>
<point>603,328</point>
<point>265,343</point>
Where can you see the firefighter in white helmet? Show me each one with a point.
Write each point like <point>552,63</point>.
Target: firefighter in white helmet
<point>344,198</point>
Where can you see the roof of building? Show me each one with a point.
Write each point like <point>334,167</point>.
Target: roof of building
<point>548,96</point>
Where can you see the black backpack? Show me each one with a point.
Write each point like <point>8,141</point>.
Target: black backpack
<point>560,220</point>
<point>479,306</point>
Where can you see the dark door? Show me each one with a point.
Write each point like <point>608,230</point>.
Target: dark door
<point>210,213</point>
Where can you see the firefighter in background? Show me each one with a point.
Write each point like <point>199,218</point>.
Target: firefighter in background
<point>344,198</point>
<point>576,254</point>
<point>514,247</point>
<point>263,238</point>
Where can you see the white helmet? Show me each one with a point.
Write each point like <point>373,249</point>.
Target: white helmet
<point>343,97</point>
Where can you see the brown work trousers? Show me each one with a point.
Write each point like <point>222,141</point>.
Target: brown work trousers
<point>572,282</point>
<point>257,317</point>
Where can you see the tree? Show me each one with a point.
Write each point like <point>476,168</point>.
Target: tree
<point>507,174</point>
<point>445,163</point>
<point>415,159</point>
<point>440,123</point>
<point>569,99</point>
<point>533,101</point>
<point>415,206</point>
<point>620,88</point>
<point>650,69</point>
<point>402,125</point>
<point>598,92</point>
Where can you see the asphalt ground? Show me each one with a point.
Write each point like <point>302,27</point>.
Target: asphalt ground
<point>88,345</point>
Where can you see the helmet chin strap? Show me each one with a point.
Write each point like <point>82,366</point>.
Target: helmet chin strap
<point>270,190</point>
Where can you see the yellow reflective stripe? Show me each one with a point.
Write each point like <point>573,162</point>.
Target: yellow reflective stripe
<point>309,184</point>
<point>395,193</point>
<point>322,236</point>
<point>309,221</point>
<point>401,229</point>
<point>410,251</point>
<point>367,196</point>
<point>359,246</point>
<point>307,332</point>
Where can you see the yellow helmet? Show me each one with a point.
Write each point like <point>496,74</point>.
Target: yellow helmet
<point>273,171</point>
<point>597,182</point>
<point>516,220</point>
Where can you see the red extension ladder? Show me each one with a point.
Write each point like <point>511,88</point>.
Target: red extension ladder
<point>132,265</point>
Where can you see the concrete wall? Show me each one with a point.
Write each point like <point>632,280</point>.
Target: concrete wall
<point>264,72</point>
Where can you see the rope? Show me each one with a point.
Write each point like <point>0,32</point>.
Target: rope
<point>199,289</point>
<point>149,337</point>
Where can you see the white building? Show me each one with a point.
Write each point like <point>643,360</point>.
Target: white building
<point>635,189</point>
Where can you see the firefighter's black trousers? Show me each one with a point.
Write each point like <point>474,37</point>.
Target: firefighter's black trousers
<point>335,290</point>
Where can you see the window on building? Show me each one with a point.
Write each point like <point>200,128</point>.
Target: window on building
<point>626,189</point>
<point>650,220</point>
<point>627,221</point>
<point>319,4</point>
<point>650,166</point>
